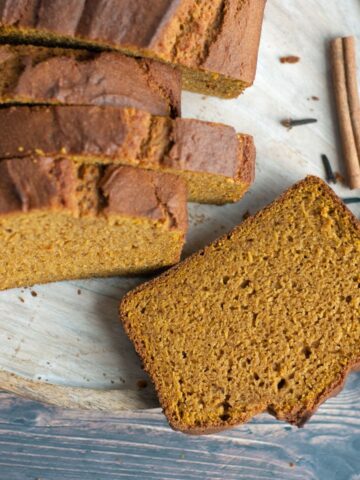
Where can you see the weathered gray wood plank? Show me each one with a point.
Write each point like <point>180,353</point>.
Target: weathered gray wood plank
<point>42,442</point>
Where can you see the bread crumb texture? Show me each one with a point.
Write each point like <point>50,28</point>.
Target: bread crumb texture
<point>266,318</point>
<point>61,220</point>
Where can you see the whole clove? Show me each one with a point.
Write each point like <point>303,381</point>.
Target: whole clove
<point>329,173</point>
<point>289,122</point>
<point>351,200</point>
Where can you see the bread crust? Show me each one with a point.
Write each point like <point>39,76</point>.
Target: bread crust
<point>195,38</point>
<point>188,148</point>
<point>40,75</point>
<point>51,183</point>
<point>247,157</point>
<point>297,417</point>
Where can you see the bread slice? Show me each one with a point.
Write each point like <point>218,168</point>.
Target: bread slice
<point>265,318</point>
<point>36,75</point>
<point>217,164</point>
<point>59,220</point>
<point>214,42</point>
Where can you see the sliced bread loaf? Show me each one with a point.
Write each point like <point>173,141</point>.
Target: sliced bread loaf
<point>35,75</point>
<point>60,220</point>
<point>214,42</point>
<point>217,164</point>
<point>265,318</point>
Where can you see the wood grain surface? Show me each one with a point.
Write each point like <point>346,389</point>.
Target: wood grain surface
<point>111,400</point>
<point>41,442</point>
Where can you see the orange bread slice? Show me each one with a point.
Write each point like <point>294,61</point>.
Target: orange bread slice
<point>36,75</point>
<point>216,163</point>
<point>60,220</point>
<point>214,42</point>
<point>265,318</point>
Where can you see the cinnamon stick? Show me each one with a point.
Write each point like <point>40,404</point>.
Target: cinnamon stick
<point>344,79</point>
<point>352,88</point>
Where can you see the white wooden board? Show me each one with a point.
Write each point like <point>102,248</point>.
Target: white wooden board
<point>74,341</point>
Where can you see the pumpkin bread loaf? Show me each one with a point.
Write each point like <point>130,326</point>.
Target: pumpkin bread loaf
<point>265,318</point>
<point>214,42</point>
<point>60,220</point>
<point>30,74</point>
<point>217,164</point>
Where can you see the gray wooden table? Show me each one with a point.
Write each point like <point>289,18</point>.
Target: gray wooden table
<point>47,443</point>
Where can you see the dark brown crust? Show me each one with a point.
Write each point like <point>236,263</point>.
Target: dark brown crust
<point>297,417</point>
<point>230,43</point>
<point>209,147</point>
<point>76,130</point>
<point>143,193</point>
<point>76,77</point>
<point>238,40</point>
<point>27,184</point>
<point>247,157</point>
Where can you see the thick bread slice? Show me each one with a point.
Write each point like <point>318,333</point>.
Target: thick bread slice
<point>214,42</point>
<point>217,164</point>
<point>60,220</point>
<point>40,75</point>
<point>265,318</point>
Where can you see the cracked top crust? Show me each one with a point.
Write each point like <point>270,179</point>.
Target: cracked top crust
<point>72,129</point>
<point>195,142</point>
<point>27,184</point>
<point>220,36</point>
<point>129,135</point>
<point>45,183</point>
<point>78,77</point>
<point>143,193</point>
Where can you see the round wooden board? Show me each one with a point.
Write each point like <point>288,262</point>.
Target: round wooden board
<point>63,343</point>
